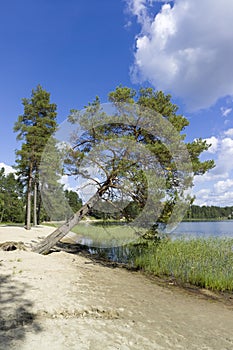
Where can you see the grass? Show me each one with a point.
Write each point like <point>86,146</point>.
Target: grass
<point>105,235</point>
<point>101,233</point>
<point>207,263</point>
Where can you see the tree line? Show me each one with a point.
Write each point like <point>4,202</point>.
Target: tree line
<point>194,212</point>
<point>209,212</point>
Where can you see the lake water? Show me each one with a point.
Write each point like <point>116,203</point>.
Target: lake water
<point>220,229</point>
<point>204,229</point>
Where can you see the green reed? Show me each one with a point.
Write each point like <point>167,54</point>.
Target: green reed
<point>207,263</point>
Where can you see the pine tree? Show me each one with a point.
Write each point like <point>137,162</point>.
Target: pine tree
<point>114,145</point>
<point>34,128</point>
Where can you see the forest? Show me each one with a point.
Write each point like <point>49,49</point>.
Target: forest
<point>209,213</point>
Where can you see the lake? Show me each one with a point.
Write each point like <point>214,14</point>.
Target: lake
<point>204,229</point>
<point>220,229</point>
<point>112,234</point>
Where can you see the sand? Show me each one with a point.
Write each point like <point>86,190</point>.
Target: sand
<point>67,301</point>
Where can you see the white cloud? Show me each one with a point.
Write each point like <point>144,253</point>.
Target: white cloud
<point>216,186</point>
<point>225,156</point>
<point>202,197</point>
<point>8,168</point>
<point>225,111</point>
<point>137,7</point>
<point>224,199</point>
<point>229,132</point>
<point>68,183</point>
<point>203,192</point>
<point>209,197</point>
<point>186,49</point>
<point>213,141</point>
<point>64,181</point>
<point>209,177</point>
<point>223,161</point>
<point>223,186</point>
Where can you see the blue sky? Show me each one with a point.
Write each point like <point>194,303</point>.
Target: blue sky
<point>78,49</point>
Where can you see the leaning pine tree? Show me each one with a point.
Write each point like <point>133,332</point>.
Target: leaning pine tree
<point>137,147</point>
<point>34,127</point>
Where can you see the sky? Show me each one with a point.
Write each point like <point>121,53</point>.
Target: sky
<point>79,49</point>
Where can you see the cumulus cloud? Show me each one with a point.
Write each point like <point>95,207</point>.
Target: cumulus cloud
<point>216,199</point>
<point>186,49</point>
<point>225,156</point>
<point>216,186</point>
<point>202,197</point>
<point>8,168</point>
<point>223,162</point>
<point>137,7</point>
<point>65,181</point>
<point>223,186</point>
<point>213,141</point>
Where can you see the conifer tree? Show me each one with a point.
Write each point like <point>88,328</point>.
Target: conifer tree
<point>147,123</point>
<point>34,128</point>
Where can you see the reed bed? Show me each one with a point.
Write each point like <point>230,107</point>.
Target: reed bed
<point>207,263</point>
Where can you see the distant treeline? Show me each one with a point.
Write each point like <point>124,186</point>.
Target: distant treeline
<point>209,212</point>
<point>132,210</point>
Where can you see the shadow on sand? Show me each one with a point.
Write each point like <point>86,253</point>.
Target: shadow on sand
<point>16,317</point>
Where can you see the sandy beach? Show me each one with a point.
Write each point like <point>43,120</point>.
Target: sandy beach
<point>68,301</point>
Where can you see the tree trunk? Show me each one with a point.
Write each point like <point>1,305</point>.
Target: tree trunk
<point>38,205</point>
<point>29,190</point>
<point>2,213</point>
<point>50,241</point>
<point>35,204</point>
<point>44,246</point>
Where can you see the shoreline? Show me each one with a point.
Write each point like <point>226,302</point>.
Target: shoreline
<point>69,301</point>
<point>33,236</point>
